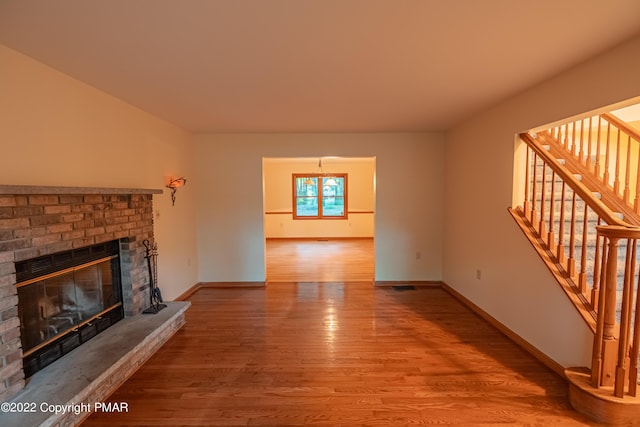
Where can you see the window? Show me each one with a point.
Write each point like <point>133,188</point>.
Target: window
<point>320,196</point>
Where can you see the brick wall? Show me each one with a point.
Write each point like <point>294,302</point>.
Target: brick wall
<point>32,225</point>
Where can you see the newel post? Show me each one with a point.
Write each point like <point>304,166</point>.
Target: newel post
<point>616,342</point>
<point>605,345</point>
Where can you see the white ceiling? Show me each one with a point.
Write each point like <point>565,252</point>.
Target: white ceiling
<point>314,65</point>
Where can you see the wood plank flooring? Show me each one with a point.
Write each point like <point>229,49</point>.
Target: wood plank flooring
<point>319,260</point>
<point>339,354</point>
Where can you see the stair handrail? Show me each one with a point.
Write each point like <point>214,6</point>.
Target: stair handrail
<point>621,125</point>
<point>606,146</point>
<point>587,196</point>
<point>623,189</point>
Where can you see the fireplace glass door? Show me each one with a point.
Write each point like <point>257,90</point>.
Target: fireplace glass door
<point>54,305</point>
<point>65,299</point>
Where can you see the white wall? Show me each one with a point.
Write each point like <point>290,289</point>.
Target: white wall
<point>515,287</point>
<point>409,194</point>
<point>278,198</point>
<point>55,130</point>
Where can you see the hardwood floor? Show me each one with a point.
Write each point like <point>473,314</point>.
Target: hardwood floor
<point>339,354</point>
<point>317,260</point>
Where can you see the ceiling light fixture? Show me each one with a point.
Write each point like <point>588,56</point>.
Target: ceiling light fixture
<point>330,181</point>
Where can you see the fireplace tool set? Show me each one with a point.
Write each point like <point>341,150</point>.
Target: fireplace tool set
<point>155,296</point>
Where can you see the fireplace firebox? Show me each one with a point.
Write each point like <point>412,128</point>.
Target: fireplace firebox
<point>65,299</point>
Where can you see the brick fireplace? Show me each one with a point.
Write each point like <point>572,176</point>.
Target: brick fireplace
<point>37,221</point>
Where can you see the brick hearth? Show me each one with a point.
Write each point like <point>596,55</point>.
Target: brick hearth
<point>37,221</point>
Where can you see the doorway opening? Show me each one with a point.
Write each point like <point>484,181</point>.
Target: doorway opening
<point>303,242</point>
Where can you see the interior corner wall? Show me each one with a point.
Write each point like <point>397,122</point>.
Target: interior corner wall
<point>515,287</point>
<point>58,131</point>
<point>408,211</point>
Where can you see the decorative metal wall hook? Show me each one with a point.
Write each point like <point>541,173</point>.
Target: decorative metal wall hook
<point>174,184</point>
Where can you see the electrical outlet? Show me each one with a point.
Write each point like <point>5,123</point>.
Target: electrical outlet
<point>479,274</point>
<point>418,255</point>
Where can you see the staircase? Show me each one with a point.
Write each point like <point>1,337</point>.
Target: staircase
<point>581,211</point>
<point>585,237</point>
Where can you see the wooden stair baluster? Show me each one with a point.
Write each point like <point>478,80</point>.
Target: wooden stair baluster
<point>625,320</point>
<point>635,348</point>
<point>582,276</point>
<point>574,150</point>
<point>541,224</point>
<point>607,156</point>
<point>596,170</point>
<point>527,176</point>
<point>616,178</point>
<point>589,149</point>
<point>627,172</point>
<point>597,271</point>
<point>581,155</point>
<point>636,200</point>
<point>571,262</point>
<point>560,250</point>
<point>532,218</point>
<point>598,340</point>
<point>550,236</point>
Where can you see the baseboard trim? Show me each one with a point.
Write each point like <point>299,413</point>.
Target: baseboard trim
<point>186,294</point>
<point>419,283</point>
<point>232,284</point>
<point>540,356</point>
<point>195,288</point>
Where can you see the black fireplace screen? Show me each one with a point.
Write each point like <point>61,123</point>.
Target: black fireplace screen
<point>60,310</point>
